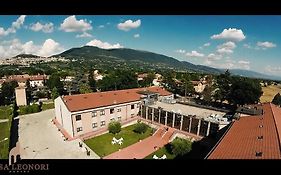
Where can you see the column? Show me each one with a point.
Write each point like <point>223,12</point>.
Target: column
<point>146,113</point>
<point>174,116</point>
<point>166,118</point>
<point>159,115</point>
<point>181,122</point>
<point>208,129</point>
<point>190,122</point>
<point>152,115</point>
<point>141,110</point>
<point>198,129</point>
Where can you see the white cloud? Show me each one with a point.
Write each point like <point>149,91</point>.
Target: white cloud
<point>84,35</point>
<point>214,57</point>
<point>226,48</point>
<point>232,34</point>
<point>207,44</point>
<point>128,25</point>
<point>46,28</point>
<point>136,35</point>
<point>101,26</point>
<point>273,69</point>
<point>180,51</point>
<point>104,45</point>
<point>266,44</point>
<point>243,64</point>
<point>71,24</point>
<point>15,25</point>
<point>19,22</point>
<point>49,48</point>
<point>194,53</point>
<point>248,46</point>
<point>14,47</point>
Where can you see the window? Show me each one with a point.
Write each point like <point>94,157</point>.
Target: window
<point>79,129</point>
<point>119,110</point>
<point>78,117</point>
<point>132,115</point>
<point>133,106</point>
<point>95,125</point>
<point>113,119</point>
<point>102,112</point>
<point>111,110</point>
<point>119,118</point>
<point>102,123</point>
<point>94,114</point>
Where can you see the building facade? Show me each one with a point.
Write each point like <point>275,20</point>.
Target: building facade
<point>85,113</point>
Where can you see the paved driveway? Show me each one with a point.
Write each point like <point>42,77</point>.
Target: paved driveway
<point>40,139</point>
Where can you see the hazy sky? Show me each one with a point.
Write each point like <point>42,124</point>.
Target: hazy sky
<point>244,42</point>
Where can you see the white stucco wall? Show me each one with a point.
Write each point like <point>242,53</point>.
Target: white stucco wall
<point>63,116</point>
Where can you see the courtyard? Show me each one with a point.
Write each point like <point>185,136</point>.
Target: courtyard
<point>40,139</point>
<point>102,144</point>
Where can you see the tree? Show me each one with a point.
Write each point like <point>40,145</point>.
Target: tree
<point>54,81</point>
<point>223,85</point>
<point>54,93</point>
<point>84,88</point>
<point>207,93</point>
<point>92,82</point>
<point>147,81</point>
<point>140,128</point>
<point>8,91</point>
<point>181,146</point>
<point>114,127</point>
<point>277,99</point>
<point>28,91</point>
<point>245,91</point>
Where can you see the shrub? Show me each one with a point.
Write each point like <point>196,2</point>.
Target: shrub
<point>181,146</point>
<point>29,109</point>
<point>140,128</point>
<point>114,127</point>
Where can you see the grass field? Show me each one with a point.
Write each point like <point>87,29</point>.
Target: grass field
<point>159,153</point>
<point>4,144</point>
<point>5,111</point>
<point>269,92</point>
<point>102,144</point>
<point>48,106</point>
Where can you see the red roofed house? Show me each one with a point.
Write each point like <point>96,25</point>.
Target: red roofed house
<point>85,113</point>
<point>252,137</point>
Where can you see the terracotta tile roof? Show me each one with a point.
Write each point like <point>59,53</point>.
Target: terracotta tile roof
<point>252,137</point>
<point>101,99</point>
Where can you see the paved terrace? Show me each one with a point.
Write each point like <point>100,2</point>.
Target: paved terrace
<point>186,109</point>
<point>145,147</point>
<point>40,139</point>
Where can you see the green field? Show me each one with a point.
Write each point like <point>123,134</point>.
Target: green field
<point>5,112</point>
<point>4,144</point>
<point>102,144</point>
<point>48,106</point>
<point>164,150</point>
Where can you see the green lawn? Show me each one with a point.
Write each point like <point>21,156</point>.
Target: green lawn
<point>102,144</point>
<point>5,112</point>
<point>161,152</point>
<point>48,106</point>
<point>4,133</point>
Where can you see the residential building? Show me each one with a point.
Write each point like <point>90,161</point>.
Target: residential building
<point>85,113</point>
<point>35,80</point>
<point>256,136</point>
